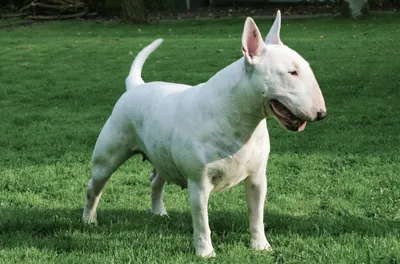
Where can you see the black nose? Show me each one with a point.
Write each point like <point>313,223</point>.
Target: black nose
<point>321,115</point>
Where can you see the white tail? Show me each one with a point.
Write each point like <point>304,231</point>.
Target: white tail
<point>135,74</point>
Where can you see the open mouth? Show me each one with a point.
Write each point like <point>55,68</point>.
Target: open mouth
<point>285,117</point>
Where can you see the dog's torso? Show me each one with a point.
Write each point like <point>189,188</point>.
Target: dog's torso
<point>185,131</point>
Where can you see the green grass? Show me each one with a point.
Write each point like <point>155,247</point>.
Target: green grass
<point>334,189</point>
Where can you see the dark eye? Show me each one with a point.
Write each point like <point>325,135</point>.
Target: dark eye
<point>294,73</point>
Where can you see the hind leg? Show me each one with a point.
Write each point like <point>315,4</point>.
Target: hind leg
<point>110,152</point>
<point>157,186</point>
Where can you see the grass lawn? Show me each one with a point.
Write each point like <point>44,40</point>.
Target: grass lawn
<point>333,190</point>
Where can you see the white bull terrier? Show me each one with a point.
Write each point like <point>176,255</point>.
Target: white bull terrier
<point>212,136</point>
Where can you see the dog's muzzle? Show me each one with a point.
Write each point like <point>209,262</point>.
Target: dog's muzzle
<point>285,117</point>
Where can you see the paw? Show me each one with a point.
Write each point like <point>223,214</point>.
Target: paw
<point>89,220</point>
<point>207,255</point>
<point>204,249</point>
<point>261,245</point>
<point>159,212</point>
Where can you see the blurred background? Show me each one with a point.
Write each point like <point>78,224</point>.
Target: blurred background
<point>145,11</point>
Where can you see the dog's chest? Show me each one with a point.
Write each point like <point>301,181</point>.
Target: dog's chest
<point>239,160</point>
<point>230,171</point>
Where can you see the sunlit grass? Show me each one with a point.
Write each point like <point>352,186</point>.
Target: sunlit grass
<point>334,189</point>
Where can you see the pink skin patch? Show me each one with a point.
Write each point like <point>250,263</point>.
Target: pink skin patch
<point>302,127</point>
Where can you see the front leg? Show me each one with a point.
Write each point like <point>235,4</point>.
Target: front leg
<point>256,190</point>
<point>199,194</point>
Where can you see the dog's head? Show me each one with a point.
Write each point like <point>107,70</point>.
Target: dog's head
<point>283,78</point>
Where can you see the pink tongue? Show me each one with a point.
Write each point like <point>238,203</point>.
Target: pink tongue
<point>301,128</point>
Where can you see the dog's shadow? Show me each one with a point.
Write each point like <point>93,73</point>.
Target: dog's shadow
<point>62,231</point>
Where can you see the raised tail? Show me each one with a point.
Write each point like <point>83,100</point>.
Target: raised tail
<point>135,75</point>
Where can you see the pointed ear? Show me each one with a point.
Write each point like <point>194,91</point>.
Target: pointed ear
<point>273,36</point>
<point>252,43</point>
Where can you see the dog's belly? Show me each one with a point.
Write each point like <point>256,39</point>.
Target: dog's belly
<point>173,175</point>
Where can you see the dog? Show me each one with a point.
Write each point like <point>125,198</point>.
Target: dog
<point>212,136</point>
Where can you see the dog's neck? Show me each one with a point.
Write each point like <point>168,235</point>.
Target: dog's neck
<point>231,94</point>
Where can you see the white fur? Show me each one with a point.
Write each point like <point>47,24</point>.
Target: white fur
<point>207,137</point>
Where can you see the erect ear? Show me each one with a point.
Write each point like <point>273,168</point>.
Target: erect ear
<point>273,36</point>
<point>252,43</point>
